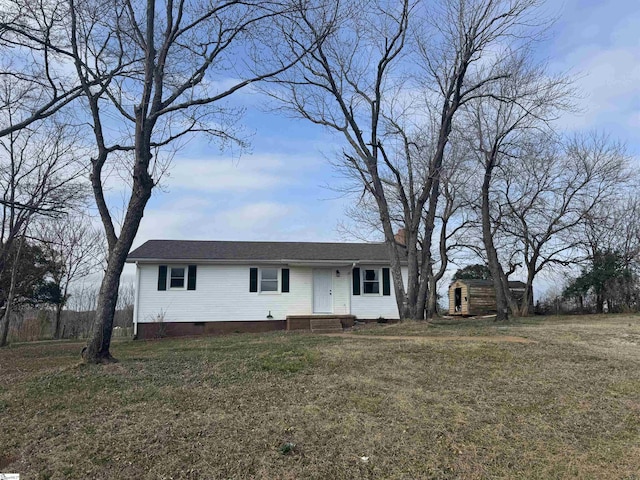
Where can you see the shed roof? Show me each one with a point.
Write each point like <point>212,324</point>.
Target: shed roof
<point>229,251</point>
<point>475,282</point>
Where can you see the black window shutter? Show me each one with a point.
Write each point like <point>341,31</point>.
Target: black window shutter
<point>253,279</point>
<point>386,284</point>
<point>191,280</point>
<point>285,280</point>
<point>356,281</point>
<point>162,277</point>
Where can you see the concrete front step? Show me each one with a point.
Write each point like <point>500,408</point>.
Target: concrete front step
<point>325,325</point>
<point>334,322</point>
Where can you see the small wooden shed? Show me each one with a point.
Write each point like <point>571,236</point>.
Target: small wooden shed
<point>478,297</point>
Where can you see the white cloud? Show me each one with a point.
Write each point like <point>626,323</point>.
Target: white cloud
<point>217,175</point>
<point>197,218</point>
<point>602,49</point>
<point>250,172</point>
<point>200,219</point>
<point>255,216</point>
<point>608,82</point>
<point>179,219</point>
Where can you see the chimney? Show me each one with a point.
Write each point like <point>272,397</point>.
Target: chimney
<point>399,237</point>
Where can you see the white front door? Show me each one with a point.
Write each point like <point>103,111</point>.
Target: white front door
<point>322,285</point>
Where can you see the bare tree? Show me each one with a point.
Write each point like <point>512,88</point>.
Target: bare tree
<point>613,225</point>
<point>393,72</point>
<point>77,247</point>
<point>34,62</point>
<point>551,197</point>
<point>452,220</point>
<point>499,126</point>
<point>127,296</point>
<point>83,297</point>
<point>39,177</point>
<point>164,70</point>
<point>8,303</point>
<point>39,172</point>
<point>151,74</point>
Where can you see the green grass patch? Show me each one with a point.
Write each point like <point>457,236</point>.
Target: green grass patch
<point>286,360</point>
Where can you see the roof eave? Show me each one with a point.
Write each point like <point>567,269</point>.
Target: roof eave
<point>296,262</point>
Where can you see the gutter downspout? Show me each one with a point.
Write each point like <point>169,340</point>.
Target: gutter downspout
<point>135,303</point>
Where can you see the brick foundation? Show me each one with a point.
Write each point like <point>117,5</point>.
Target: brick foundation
<point>190,329</point>
<point>184,329</point>
<point>303,322</point>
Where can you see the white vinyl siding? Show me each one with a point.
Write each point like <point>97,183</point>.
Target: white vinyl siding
<point>222,294</point>
<point>372,306</point>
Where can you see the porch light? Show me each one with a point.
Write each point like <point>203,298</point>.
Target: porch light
<point>337,273</point>
<point>269,316</point>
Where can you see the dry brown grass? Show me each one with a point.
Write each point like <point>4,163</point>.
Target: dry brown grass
<point>567,406</point>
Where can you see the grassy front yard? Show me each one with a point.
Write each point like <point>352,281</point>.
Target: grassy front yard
<point>566,405</point>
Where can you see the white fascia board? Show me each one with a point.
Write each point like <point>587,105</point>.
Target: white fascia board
<point>300,263</point>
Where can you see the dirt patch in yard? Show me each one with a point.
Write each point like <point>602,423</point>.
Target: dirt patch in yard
<point>451,338</point>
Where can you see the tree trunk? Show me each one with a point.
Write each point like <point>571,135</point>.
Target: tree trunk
<point>413,278</point>
<point>424,286</point>
<point>581,303</point>
<point>98,348</point>
<point>526,298</point>
<point>402,302</point>
<point>432,300</point>
<point>497,274</point>
<point>57,322</point>
<point>511,302</point>
<point>523,307</point>
<point>421,304</point>
<point>4,331</point>
<point>599,304</point>
<point>6,317</point>
<point>398,282</point>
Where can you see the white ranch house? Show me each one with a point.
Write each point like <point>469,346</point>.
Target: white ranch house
<point>208,287</point>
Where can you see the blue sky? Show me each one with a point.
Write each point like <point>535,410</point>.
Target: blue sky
<point>278,191</point>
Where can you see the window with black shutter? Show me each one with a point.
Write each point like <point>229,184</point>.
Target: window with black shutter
<point>253,279</point>
<point>285,280</point>
<point>162,277</point>
<point>386,282</point>
<point>356,281</point>
<point>191,277</point>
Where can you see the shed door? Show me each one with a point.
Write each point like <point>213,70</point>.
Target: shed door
<point>322,284</point>
<point>458,300</point>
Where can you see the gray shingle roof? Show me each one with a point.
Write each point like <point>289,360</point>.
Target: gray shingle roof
<point>261,251</point>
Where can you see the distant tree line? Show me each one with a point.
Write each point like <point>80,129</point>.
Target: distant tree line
<point>38,321</point>
<point>608,282</point>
